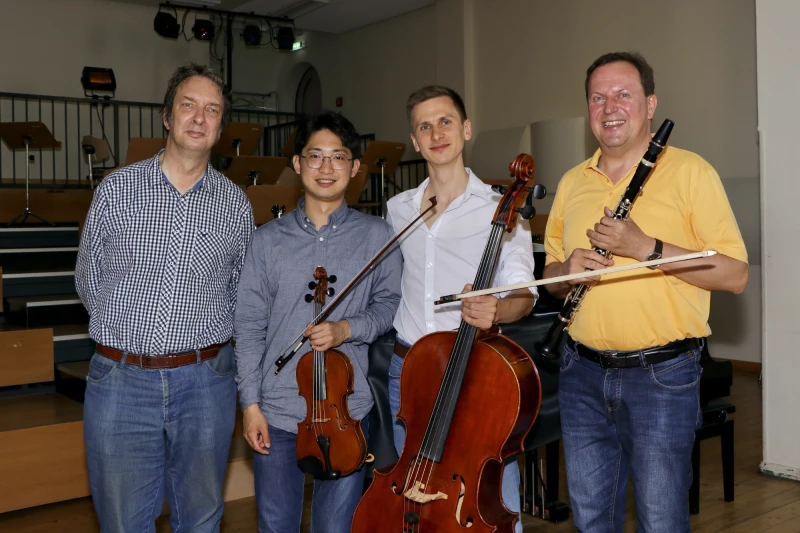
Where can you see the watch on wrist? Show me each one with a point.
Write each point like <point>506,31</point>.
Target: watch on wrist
<point>656,253</point>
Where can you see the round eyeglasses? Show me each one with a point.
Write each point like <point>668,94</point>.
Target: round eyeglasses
<point>315,160</point>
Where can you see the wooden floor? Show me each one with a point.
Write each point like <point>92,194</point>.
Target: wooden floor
<point>761,503</point>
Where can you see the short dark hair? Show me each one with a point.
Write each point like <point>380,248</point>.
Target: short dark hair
<point>434,91</point>
<point>332,121</point>
<point>639,62</point>
<point>190,70</point>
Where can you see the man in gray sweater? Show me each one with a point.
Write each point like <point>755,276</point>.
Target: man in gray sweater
<point>272,310</point>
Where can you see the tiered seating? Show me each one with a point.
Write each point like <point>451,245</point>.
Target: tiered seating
<point>42,455</point>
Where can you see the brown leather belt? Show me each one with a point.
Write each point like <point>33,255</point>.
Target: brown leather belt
<point>400,350</point>
<point>173,360</point>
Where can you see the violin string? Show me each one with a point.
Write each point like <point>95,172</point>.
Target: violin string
<point>461,351</point>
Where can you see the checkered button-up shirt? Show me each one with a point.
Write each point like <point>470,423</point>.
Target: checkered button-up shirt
<point>158,271</point>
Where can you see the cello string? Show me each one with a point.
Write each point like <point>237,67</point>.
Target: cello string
<point>460,353</point>
<point>457,363</point>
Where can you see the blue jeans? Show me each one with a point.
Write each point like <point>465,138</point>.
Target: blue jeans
<point>511,475</point>
<point>280,486</point>
<point>151,431</point>
<point>640,421</point>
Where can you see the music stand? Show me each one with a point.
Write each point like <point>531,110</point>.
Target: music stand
<point>256,170</point>
<point>18,135</point>
<point>386,156</point>
<point>141,148</point>
<point>236,138</point>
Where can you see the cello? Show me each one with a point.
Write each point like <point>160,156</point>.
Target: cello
<point>467,402</point>
<point>330,442</point>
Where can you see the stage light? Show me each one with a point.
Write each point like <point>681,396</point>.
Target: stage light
<point>98,79</point>
<point>203,30</point>
<point>166,25</point>
<point>252,35</point>
<point>285,38</point>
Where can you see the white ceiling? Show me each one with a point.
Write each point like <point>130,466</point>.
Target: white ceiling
<point>335,17</point>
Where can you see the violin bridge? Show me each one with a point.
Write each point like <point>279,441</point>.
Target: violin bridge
<point>416,495</point>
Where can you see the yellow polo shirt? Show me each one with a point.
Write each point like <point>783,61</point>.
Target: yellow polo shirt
<point>683,203</point>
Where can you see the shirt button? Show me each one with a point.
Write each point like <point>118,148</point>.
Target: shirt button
<point>430,265</point>
<point>305,226</point>
<point>322,238</point>
<point>334,227</point>
<point>430,235</point>
<point>427,295</point>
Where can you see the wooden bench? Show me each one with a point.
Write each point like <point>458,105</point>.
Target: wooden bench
<point>42,456</point>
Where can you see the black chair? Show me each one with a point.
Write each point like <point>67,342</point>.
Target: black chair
<point>715,384</point>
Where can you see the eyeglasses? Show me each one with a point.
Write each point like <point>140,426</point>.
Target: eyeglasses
<point>315,160</point>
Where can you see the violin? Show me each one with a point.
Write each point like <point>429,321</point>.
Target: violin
<point>330,442</point>
<point>467,401</point>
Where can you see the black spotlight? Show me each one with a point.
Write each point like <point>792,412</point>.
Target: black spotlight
<point>166,25</point>
<point>203,30</point>
<point>252,35</point>
<point>285,38</point>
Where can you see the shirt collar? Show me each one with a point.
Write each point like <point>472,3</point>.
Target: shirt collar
<point>335,219</point>
<point>474,186</point>
<point>591,165</point>
<point>157,176</point>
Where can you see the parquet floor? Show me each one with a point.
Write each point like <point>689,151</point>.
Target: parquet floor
<point>761,503</point>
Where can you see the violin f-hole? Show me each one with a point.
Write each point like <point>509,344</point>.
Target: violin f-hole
<point>339,418</point>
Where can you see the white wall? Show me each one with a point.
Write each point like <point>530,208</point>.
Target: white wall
<point>778,78</point>
<point>373,69</point>
<point>46,44</point>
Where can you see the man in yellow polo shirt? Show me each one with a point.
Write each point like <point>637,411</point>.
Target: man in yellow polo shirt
<point>630,372</point>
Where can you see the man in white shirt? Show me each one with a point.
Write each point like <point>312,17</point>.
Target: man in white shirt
<point>441,253</point>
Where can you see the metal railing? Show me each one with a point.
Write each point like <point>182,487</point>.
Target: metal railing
<point>70,119</point>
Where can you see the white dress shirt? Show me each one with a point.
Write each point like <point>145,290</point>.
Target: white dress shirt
<point>442,259</point>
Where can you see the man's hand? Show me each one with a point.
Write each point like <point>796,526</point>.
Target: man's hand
<point>579,261</point>
<point>328,334</point>
<point>620,237</point>
<point>479,311</point>
<point>255,429</point>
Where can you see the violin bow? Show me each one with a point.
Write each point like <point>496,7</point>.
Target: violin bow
<point>298,341</point>
<point>576,275</point>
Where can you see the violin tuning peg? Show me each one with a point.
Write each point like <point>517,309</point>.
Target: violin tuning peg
<point>332,279</point>
<point>309,298</point>
<point>499,189</point>
<point>312,285</point>
<point>330,291</point>
<point>539,191</point>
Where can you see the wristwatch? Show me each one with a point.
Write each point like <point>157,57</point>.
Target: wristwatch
<point>656,253</point>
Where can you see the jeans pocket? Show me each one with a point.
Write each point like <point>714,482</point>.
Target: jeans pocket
<point>224,364</point>
<point>682,372</point>
<point>100,368</point>
<point>395,367</point>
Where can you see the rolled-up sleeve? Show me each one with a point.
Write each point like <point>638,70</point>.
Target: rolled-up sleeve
<point>253,303</point>
<point>516,261</point>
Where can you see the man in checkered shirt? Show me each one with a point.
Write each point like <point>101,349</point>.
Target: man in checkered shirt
<point>158,270</point>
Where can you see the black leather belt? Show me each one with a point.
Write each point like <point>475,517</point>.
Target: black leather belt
<point>657,354</point>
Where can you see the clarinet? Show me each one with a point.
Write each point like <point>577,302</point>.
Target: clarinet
<point>549,346</point>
